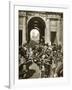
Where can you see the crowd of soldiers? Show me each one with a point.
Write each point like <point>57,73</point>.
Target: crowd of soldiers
<point>49,59</point>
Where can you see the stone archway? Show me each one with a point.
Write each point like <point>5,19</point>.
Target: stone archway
<point>36,23</point>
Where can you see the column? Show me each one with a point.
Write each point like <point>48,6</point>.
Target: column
<point>61,32</point>
<point>47,32</point>
<point>58,32</point>
<point>24,30</point>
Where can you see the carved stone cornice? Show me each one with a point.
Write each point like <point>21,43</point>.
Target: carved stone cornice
<point>22,13</point>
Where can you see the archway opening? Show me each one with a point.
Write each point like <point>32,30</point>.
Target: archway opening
<point>38,25</point>
<point>35,35</point>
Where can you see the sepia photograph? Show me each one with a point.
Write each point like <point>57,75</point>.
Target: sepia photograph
<point>40,48</point>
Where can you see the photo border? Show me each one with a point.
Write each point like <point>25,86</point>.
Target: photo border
<point>14,82</point>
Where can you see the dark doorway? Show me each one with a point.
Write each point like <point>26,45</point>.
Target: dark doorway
<point>20,37</point>
<point>53,37</point>
<point>36,22</point>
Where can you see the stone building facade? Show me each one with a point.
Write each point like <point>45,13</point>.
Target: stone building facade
<point>49,25</point>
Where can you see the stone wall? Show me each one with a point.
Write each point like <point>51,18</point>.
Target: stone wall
<point>53,21</point>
